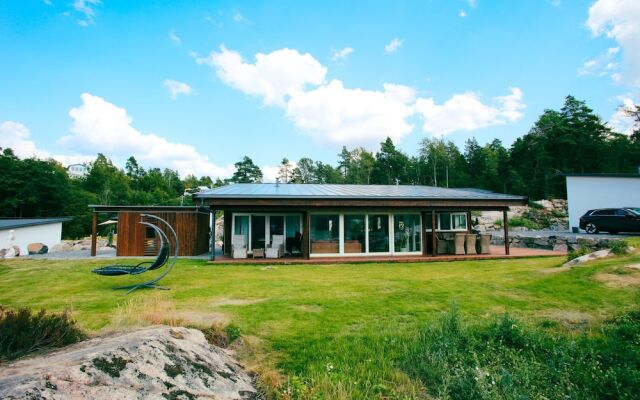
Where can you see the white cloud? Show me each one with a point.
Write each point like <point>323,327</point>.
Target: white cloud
<point>336,115</point>
<point>466,112</point>
<point>48,2</point>
<point>86,11</point>
<point>14,135</point>
<point>175,39</point>
<point>341,55</point>
<point>274,76</point>
<point>269,173</point>
<point>237,17</point>
<point>462,14</point>
<point>603,65</point>
<point>620,20</point>
<point>100,126</point>
<point>393,45</point>
<point>620,121</point>
<point>176,88</point>
<point>472,3</point>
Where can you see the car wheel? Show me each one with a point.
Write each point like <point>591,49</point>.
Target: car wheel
<point>591,228</point>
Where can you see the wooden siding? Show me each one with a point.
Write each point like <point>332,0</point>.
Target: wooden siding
<point>192,229</point>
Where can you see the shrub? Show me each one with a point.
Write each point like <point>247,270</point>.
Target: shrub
<point>221,336</point>
<point>522,221</point>
<point>23,332</point>
<point>619,247</point>
<point>507,359</point>
<point>578,253</point>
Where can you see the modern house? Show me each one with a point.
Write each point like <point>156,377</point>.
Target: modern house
<point>322,220</point>
<point>77,171</point>
<point>589,191</point>
<point>24,231</point>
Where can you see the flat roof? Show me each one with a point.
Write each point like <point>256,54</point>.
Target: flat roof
<point>148,208</point>
<point>24,222</point>
<point>350,192</point>
<point>601,175</point>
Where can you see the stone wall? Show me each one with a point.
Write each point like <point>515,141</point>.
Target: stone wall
<point>555,242</point>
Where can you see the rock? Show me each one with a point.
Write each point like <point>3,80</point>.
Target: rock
<point>588,257</point>
<point>541,242</point>
<point>11,252</point>
<point>561,247</point>
<point>37,248</point>
<point>152,363</point>
<point>545,203</point>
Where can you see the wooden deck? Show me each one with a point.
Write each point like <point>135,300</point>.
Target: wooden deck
<point>497,252</point>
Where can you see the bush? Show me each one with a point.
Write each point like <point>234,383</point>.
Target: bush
<point>23,332</point>
<point>221,336</point>
<point>509,360</point>
<point>522,221</point>
<point>619,247</point>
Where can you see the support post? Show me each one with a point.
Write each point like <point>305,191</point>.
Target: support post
<point>434,245</point>
<point>226,235</point>
<point>469,222</point>
<point>306,230</point>
<point>94,234</point>
<point>424,233</point>
<point>505,223</point>
<point>212,256</point>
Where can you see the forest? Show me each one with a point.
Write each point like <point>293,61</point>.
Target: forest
<point>570,140</point>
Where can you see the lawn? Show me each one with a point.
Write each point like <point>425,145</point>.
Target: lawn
<point>331,331</point>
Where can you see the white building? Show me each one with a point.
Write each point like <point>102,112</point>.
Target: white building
<point>77,170</point>
<point>588,191</point>
<point>23,231</point>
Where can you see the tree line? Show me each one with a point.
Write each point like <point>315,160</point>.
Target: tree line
<point>572,139</point>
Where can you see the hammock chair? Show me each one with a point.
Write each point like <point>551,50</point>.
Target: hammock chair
<point>161,259</point>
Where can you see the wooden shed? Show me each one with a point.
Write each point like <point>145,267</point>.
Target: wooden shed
<point>192,226</point>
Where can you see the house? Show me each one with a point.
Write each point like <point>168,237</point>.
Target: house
<point>77,171</point>
<point>23,231</point>
<point>322,220</point>
<point>589,191</point>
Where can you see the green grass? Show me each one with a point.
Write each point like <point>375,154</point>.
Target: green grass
<point>329,331</point>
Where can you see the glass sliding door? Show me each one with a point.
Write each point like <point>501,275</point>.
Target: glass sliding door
<point>276,225</point>
<point>354,234</point>
<point>293,234</point>
<point>258,239</point>
<point>325,234</point>
<point>407,235</point>
<point>378,233</point>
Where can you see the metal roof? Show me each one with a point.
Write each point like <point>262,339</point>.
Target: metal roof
<point>327,191</point>
<point>601,175</point>
<point>23,222</point>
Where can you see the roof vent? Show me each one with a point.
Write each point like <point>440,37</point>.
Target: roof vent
<point>277,182</point>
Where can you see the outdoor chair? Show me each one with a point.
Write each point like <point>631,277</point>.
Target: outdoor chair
<point>458,243</point>
<point>276,248</point>
<point>238,246</point>
<point>484,244</point>
<point>470,243</point>
<point>443,244</point>
<point>161,260</point>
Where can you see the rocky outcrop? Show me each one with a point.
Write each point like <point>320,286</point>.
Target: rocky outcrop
<point>547,214</point>
<point>152,363</point>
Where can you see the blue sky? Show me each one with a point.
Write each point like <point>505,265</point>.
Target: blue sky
<point>195,85</point>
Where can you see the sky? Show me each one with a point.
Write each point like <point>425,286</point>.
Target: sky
<point>196,85</point>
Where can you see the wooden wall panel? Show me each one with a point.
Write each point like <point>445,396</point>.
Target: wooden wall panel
<point>192,230</point>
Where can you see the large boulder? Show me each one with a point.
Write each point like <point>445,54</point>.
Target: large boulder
<point>152,363</point>
<point>37,248</point>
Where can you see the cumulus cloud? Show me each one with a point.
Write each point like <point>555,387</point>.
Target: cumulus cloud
<point>393,45</point>
<point>340,116</point>
<point>100,126</point>
<point>620,121</point>
<point>341,55</point>
<point>176,88</point>
<point>274,76</point>
<point>462,14</point>
<point>620,21</point>
<point>466,112</point>
<point>175,39</point>
<point>603,65</point>
<point>16,136</point>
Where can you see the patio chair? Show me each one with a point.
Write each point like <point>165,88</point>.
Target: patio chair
<point>443,244</point>
<point>470,243</point>
<point>161,260</point>
<point>238,246</point>
<point>484,244</point>
<point>276,248</point>
<point>458,244</point>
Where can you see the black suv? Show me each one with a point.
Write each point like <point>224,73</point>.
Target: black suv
<point>612,220</point>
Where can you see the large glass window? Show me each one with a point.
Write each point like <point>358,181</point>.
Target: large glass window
<point>276,225</point>
<point>354,234</point>
<point>293,239</point>
<point>325,234</point>
<point>378,233</point>
<point>459,221</point>
<point>258,240</point>
<point>406,232</point>
<point>241,227</point>
<point>445,221</point>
